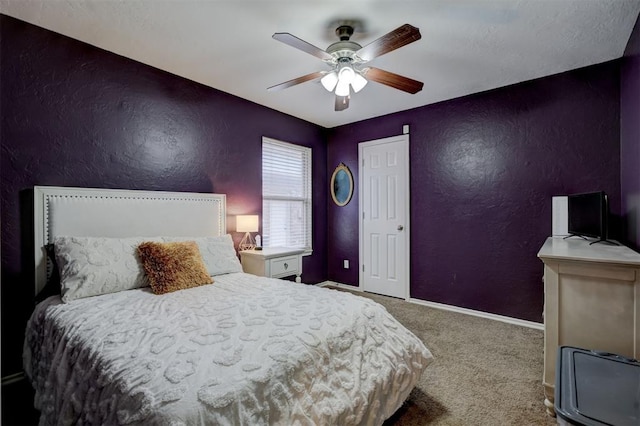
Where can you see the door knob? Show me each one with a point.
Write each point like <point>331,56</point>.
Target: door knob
<point>400,227</point>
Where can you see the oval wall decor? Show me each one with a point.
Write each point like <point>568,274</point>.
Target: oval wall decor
<point>341,185</point>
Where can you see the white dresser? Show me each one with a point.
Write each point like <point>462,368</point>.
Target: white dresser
<point>274,262</point>
<point>591,301</point>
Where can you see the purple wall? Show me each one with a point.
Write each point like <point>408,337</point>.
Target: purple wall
<point>483,171</point>
<point>630,139</point>
<point>75,115</point>
<point>483,167</point>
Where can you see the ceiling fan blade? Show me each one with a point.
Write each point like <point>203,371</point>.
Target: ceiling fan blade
<point>393,80</point>
<point>397,38</point>
<point>303,79</point>
<point>300,44</point>
<point>342,103</point>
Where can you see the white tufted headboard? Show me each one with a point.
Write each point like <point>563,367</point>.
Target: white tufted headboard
<point>90,212</point>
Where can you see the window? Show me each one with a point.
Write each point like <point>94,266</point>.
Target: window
<point>286,195</point>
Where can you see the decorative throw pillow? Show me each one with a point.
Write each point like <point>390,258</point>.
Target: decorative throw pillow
<point>90,266</point>
<point>218,253</point>
<point>173,266</point>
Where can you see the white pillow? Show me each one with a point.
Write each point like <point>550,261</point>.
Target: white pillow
<point>218,253</point>
<point>90,266</point>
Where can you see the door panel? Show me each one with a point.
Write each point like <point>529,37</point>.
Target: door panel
<point>384,218</point>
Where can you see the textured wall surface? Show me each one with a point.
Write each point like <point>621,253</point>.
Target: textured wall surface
<point>630,139</point>
<point>75,115</point>
<point>483,167</point>
<point>483,171</point>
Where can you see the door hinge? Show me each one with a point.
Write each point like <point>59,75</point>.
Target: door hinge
<point>362,268</point>
<point>363,162</point>
<point>363,215</point>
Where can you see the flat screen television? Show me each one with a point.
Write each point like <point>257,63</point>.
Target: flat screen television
<point>588,215</point>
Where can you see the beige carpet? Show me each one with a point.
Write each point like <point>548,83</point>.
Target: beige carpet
<point>485,372</point>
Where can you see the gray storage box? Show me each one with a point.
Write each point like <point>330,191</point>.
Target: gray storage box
<point>596,388</point>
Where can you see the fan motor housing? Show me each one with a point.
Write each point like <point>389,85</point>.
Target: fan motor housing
<point>343,49</point>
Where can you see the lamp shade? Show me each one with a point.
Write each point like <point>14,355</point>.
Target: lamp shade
<point>346,74</point>
<point>247,223</point>
<point>358,83</point>
<point>342,89</point>
<point>329,81</point>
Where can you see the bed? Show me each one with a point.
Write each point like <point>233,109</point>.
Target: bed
<point>243,350</point>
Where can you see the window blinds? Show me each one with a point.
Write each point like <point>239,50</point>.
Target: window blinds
<point>286,194</point>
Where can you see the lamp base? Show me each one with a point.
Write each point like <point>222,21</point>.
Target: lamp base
<point>247,242</point>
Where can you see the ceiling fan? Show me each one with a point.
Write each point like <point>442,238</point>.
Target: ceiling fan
<point>346,59</point>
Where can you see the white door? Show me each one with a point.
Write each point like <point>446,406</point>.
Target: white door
<point>384,216</point>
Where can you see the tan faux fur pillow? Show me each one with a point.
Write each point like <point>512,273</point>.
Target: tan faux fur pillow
<point>173,266</point>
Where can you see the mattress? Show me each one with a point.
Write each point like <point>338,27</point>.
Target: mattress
<point>244,350</point>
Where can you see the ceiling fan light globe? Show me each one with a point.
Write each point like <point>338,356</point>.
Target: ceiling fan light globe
<point>358,82</point>
<point>329,81</point>
<point>342,88</point>
<point>346,74</point>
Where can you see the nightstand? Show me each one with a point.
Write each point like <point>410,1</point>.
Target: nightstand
<point>274,262</point>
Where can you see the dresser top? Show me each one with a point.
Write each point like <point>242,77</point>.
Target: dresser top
<point>575,248</point>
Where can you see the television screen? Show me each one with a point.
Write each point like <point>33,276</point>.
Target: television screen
<point>588,214</point>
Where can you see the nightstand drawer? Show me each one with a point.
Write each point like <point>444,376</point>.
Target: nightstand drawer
<point>285,266</point>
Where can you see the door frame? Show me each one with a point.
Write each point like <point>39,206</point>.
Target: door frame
<point>407,227</point>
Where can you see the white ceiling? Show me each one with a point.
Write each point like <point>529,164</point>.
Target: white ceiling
<point>467,46</point>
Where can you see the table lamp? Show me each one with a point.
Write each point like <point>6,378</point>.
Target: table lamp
<point>247,224</point>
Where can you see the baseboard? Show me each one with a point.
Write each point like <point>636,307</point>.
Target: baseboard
<point>435,305</point>
<point>13,378</point>
<point>339,285</point>
<point>487,315</point>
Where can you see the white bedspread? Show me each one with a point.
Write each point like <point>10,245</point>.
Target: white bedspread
<point>245,350</point>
